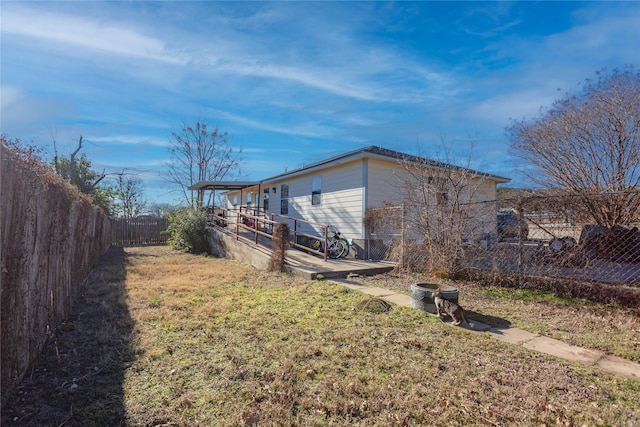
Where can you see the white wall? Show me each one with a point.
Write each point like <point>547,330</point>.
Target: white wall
<point>344,196</point>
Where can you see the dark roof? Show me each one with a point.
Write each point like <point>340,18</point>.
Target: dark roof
<point>223,185</point>
<point>370,151</point>
<point>379,152</point>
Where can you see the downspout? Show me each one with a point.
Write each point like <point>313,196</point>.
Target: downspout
<point>365,196</point>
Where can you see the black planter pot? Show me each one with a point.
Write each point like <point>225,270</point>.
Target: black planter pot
<point>422,295</point>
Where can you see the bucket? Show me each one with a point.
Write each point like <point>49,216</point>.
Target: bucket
<point>422,295</point>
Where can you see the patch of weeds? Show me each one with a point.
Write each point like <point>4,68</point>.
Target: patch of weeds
<point>169,327</point>
<point>154,302</point>
<point>529,295</point>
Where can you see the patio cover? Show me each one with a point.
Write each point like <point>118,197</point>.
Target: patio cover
<point>223,185</point>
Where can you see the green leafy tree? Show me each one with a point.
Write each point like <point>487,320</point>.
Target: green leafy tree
<point>588,145</point>
<point>77,171</point>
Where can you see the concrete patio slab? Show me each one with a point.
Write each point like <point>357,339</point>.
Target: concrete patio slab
<point>398,299</point>
<point>511,335</point>
<point>620,366</point>
<point>564,351</point>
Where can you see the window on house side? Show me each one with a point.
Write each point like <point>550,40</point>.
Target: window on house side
<point>284,199</point>
<point>316,190</point>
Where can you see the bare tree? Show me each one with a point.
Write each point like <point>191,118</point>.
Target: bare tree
<point>442,210</point>
<point>588,144</point>
<point>129,200</point>
<point>199,154</point>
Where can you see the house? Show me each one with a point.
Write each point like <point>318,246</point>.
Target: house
<point>338,191</point>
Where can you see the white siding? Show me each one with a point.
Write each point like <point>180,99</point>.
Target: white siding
<point>341,205</point>
<point>384,183</point>
<point>347,187</point>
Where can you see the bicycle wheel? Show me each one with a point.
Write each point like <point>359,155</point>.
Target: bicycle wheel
<point>315,244</point>
<point>332,250</point>
<point>343,247</point>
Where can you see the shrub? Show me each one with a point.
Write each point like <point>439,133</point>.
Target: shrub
<point>188,231</point>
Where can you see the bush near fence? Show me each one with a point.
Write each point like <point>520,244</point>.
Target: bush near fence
<point>51,236</point>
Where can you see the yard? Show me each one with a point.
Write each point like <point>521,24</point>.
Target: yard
<point>162,338</point>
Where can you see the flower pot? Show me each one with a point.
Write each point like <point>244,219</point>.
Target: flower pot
<point>422,295</point>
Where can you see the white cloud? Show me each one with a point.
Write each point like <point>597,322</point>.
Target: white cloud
<point>518,104</point>
<point>10,96</point>
<point>83,32</point>
<point>307,129</point>
<point>19,110</point>
<point>131,140</point>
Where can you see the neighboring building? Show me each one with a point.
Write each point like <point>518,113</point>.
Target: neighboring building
<point>338,191</point>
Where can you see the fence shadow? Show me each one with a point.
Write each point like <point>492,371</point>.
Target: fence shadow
<point>78,378</point>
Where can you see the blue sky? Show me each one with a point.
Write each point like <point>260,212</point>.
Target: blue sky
<point>297,82</point>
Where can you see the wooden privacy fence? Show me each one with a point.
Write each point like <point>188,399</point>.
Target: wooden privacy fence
<point>139,231</point>
<point>50,238</point>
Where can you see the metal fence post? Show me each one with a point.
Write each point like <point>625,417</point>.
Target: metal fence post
<point>521,232</point>
<point>402,237</point>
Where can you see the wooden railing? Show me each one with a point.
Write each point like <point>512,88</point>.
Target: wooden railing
<point>256,228</point>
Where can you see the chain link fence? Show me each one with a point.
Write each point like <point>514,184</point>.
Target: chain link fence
<point>522,239</point>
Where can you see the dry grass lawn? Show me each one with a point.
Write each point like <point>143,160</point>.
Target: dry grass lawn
<point>162,338</point>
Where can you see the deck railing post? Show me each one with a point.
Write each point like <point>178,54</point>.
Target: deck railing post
<point>326,242</point>
<point>295,231</point>
<point>237,225</point>
<point>255,227</point>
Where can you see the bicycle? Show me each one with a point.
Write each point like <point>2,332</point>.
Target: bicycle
<point>338,246</point>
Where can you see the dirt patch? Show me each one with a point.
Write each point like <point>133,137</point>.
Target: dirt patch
<point>373,305</point>
<point>83,361</point>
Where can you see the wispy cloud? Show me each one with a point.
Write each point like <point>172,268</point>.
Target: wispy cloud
<point>294,81</point>
<point>84,33</point>
<point>130,140</point>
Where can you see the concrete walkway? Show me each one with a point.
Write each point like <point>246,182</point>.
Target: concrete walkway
<point>612,364</point>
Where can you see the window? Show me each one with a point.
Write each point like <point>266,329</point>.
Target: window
<point>440,186</point>
<point>249,199</point>
<point>316,190</point>
<point>235,200</point>
<point>284,199</point>
<point>265,199</point>
<point>442,198</point>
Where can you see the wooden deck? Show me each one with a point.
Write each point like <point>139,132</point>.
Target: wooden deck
<point>298,262</point>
